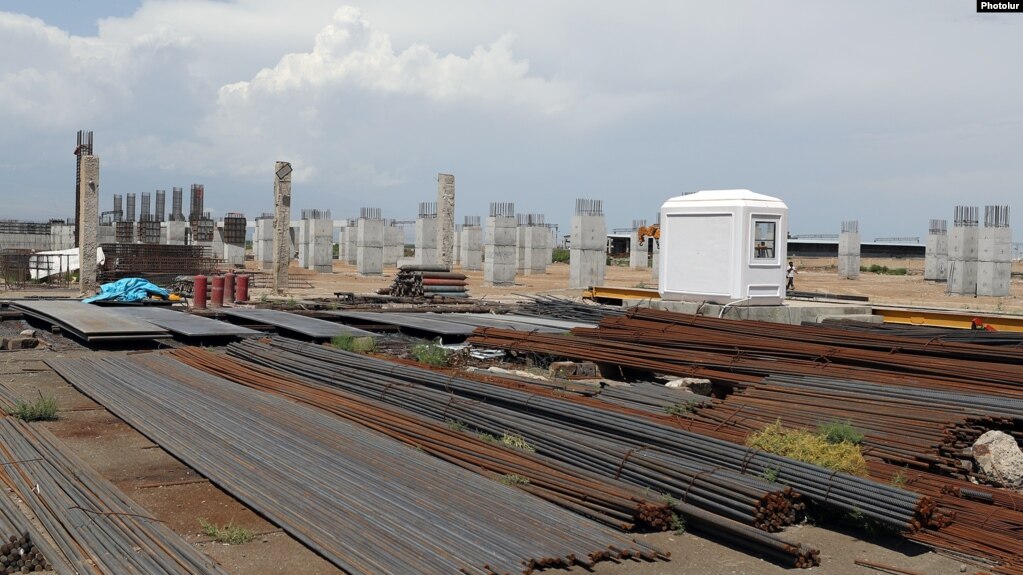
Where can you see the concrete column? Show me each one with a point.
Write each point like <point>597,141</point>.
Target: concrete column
<point>500,247</point>
<point>426,241</point>
<point>218,242</point>
<point>234,255</point>
<point>302,239</point>
<point>282,224</point>
<point>471,244</point>
<point>321,235</point>
<point>588,249</point>
<point>62,236</point>
<point>106,235</point>
<point>394,245</point>
<point>655,261</point>
<point>176,233</point>
<point>351,244</point>
<point>994,252</point>
<point>88,221</point>
<point>264,242</point>
<point>520,248</point>
<point>962,252</point>
<point>535,250</point>
<point>936,256</point>
<point>443,239</point>
<point>849,251</point>
<point>370,247</point>
<point>638,252</point>
<point>456,248</point>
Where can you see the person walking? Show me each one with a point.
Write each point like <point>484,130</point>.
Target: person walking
<point>790,273</point>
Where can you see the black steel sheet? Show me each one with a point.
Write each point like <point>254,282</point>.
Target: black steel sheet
<point>185,324</point>
<point>89,322</point>
<point>307,326</point>
<point>491,320</point>
<point>417,321</point>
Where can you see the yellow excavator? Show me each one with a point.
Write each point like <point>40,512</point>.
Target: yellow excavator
<point>652,231</point>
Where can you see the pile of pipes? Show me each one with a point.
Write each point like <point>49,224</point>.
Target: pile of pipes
<point>433,281</point>
<point>367,503</point>
<point>80,518</point>
<point>20,555</point>
<point>919,402</point>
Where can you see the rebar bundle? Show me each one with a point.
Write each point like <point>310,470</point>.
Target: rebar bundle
<point>586,207</point>
<point>502,209</point>
<point>428,281</point>
<point>363,501</point>
<point>91,526</point>
<point>367,214</point>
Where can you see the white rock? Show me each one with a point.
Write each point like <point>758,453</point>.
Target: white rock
<point>1000,458</point>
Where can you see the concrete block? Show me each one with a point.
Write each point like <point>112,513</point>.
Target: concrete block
<point>589,233</point>
<point>849,267</point>
<point>394,245</point>
<point>234,255</point>
<point>638,258</point>
<point>535,251</point>
<point>370,247</point>
<point>471,246</point>
<point>936,258</point>
<point>586,268</point>
<point>321,240</point>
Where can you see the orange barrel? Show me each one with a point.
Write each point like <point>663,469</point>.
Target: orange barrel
<point>229,287</point>
<point>217,294</point>
<point>241,289</point>
<point>199,292</point>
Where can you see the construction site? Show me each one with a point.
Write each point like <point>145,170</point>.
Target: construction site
<point>703,392</point>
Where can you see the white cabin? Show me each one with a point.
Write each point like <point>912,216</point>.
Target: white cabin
<point>724,246</point>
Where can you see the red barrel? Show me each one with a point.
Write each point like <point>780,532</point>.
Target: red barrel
<point>217,294</point>
<point>229,287</point>
<point>241,288</point>
<point>199,292</point>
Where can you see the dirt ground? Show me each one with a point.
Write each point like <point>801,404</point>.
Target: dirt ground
<point>177,495</point>
<point>814,274</point>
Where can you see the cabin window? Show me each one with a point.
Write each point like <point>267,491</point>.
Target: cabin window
<point>764,240</point>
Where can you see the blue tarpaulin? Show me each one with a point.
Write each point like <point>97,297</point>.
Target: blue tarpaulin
<point>127,289</point>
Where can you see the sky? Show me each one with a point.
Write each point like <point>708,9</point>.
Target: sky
<point>890,113</point>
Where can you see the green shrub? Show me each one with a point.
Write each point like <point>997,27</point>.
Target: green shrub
<point>42,409</point>
<point>809,447</point>
<point>430,354</point>
<point>512,480</point>
<point>560,255</point>
<point>354,344</point>
<point>230,534</point>
<point>839,431</point>
<point>516,442</point>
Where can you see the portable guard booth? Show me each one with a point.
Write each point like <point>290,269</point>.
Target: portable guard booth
<point>723,246</point>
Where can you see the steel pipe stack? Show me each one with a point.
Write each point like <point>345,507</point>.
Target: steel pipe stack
<point>429,281</point>
<point>363,501</point>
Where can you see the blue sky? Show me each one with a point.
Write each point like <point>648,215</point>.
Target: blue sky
<point>889,113</point>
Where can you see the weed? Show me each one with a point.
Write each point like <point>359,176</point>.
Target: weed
<point>899,479</point>
<point>560,255</point>
<point>516,442</point>
<point>230,533</point>
<point>454,425</point>
<point>42,409</point>
<point>486,437</point>
<point>430,354</point>
<point>838,432</point>
<point>770,474</point>
<point>512,480</point>
<point>809,447</point>
<point>681,408</point>
<point>678,522</point>
<point>355,344</point>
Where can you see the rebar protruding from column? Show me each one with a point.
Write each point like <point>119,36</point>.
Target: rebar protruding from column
<point>851,227</point>
<point>144,214</point>
<point>502,209</point>
<point>636,224</point>
<point>129,210</point>
<point>587,207</point>
<point>118,208</point>
<point>965,216</point>
<point>996,216</point>
<point>176,204</point>
<point>195,207</point>
<point>367,214</point>
<point>428,209</point>
<point>938,227</point>
<point>472,221</point>
<point>161,204</point>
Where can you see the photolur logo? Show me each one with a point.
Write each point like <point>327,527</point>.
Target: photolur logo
<point>998,6</point>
